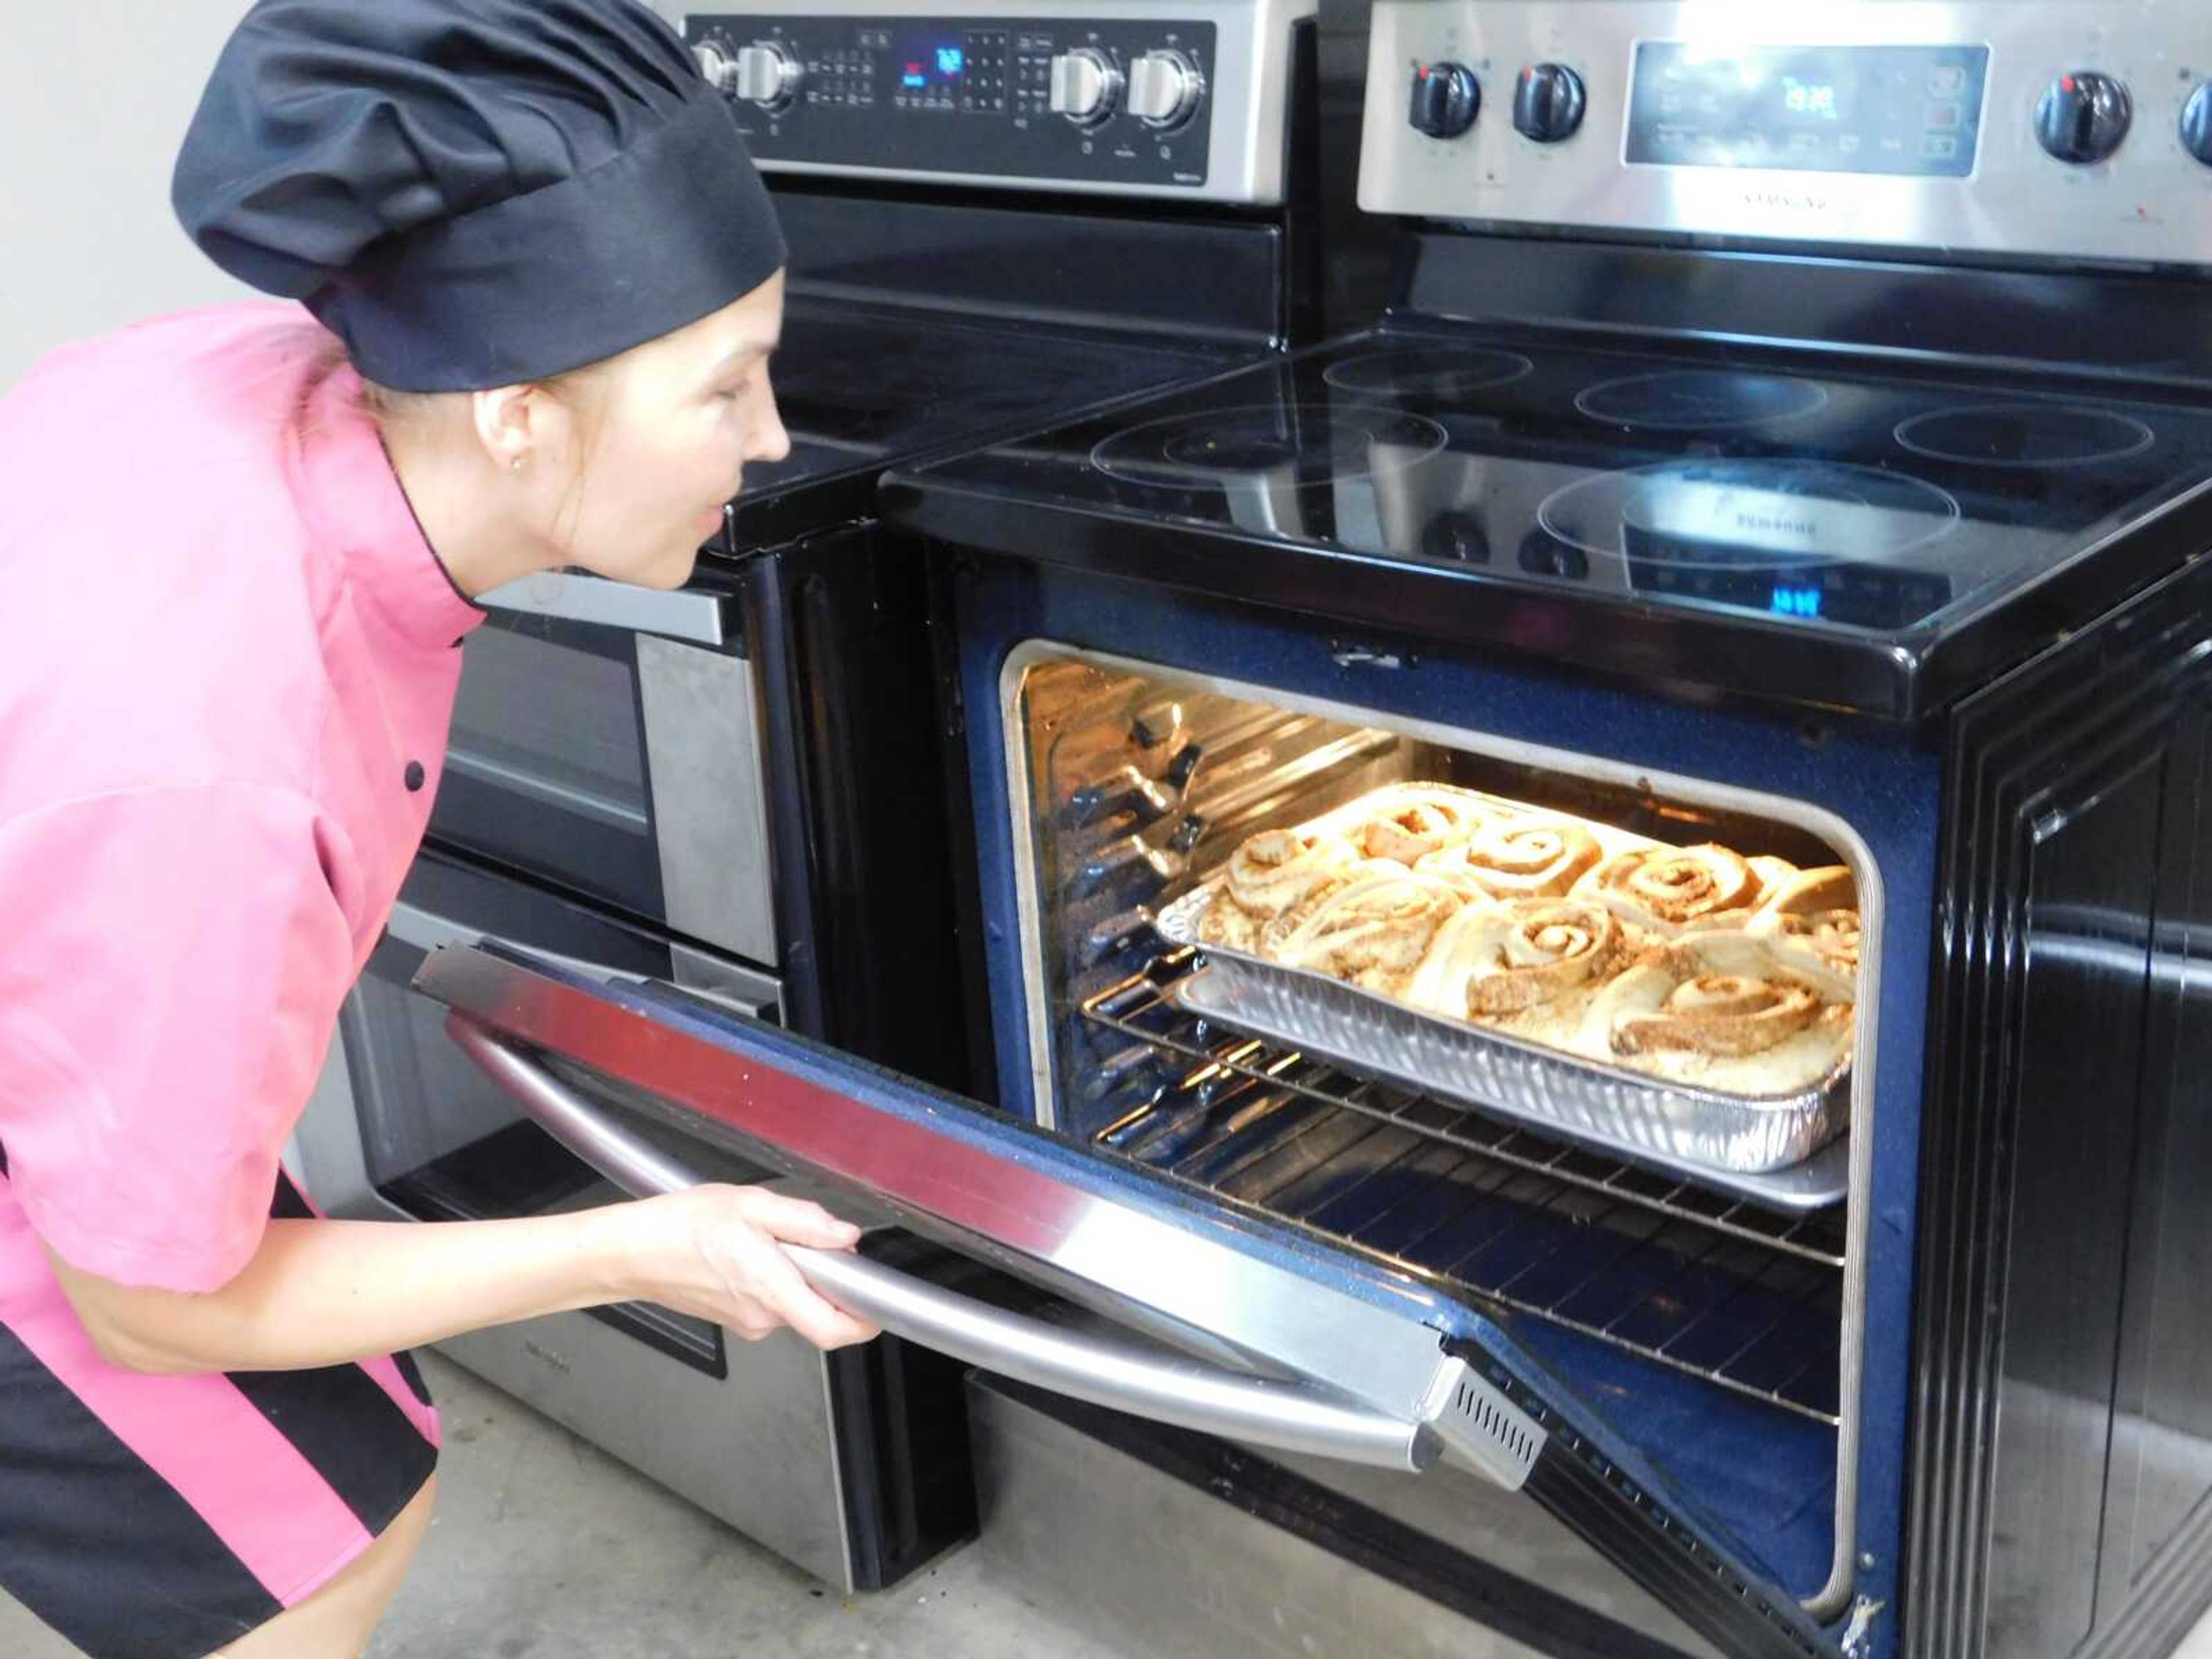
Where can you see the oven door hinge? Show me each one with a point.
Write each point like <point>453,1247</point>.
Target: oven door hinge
<point>1858,1635</point>
<point>1480,1428</point>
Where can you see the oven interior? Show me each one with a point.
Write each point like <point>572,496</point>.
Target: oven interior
<point>1717,1334</point>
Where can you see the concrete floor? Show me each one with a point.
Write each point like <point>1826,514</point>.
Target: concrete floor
<point>545,1549</point>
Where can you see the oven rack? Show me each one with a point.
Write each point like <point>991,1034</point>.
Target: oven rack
<point>1497,1214</point>
<point>1140,1006</point>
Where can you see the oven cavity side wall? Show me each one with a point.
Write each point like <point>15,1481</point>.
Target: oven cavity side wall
<point>2062,1409</point>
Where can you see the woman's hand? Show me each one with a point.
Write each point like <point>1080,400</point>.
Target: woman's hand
<point>712,1252</point>
<point>320,1292</point>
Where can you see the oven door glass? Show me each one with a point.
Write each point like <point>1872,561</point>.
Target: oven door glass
<point>1234,1325</point>
<point>436,1139</point>
<point>604,738</point>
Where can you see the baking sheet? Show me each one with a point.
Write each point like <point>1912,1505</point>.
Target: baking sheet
<point>1700,1134</point>
<point>1638,1130</point>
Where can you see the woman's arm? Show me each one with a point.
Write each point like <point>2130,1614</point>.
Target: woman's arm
<point>322,1292</point>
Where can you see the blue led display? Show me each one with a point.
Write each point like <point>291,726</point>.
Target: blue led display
<point>1795,602</point>
<point>928,63</point>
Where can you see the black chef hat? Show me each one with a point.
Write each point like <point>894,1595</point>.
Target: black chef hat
<point>474,193</point>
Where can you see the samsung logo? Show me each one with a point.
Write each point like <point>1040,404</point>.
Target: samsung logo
<point>1775,199</point>
<point>1764,525</point>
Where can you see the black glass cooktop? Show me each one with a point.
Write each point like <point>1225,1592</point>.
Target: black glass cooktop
<point>1462,483</point>
<point>861,387</point>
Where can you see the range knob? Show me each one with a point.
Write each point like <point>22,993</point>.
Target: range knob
<point>1446,99</point>
<point>2197,124</point>
<point>1548,103</point>
<point>2084,117</point>
<point>1085,86</point>
<point>715,65</point>
<point>1164,88</point>
<point>766,74</point>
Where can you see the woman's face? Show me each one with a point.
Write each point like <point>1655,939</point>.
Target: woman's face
<point>657,441</point>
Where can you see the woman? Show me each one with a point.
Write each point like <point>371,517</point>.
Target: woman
<point>238,553</point>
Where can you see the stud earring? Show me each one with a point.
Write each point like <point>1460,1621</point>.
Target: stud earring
<point>515,465</point>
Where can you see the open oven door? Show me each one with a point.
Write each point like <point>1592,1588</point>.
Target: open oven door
<point>1283,1342</point>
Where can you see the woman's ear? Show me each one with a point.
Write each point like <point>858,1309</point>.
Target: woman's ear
<point>516,425</point>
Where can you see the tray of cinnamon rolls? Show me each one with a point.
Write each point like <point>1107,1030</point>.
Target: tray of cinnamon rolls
<point>1691,1006</point>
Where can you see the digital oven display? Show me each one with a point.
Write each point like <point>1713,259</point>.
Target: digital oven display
<point>930,62</point>
<point>1912,111</point>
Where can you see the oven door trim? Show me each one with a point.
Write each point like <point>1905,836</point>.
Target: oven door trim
<point>1835,1595</point>
<point>1017,1197</point>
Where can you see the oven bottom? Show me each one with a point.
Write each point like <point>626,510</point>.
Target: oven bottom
<point>1213,1550</point>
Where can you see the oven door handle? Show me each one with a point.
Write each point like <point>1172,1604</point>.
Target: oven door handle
<point>1119,1377</point>
<point>594,601</point>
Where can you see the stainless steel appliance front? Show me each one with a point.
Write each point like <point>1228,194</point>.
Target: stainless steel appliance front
<point>606,739</point>
<point>1970,172</point>
<point>1243,102</point>
<point>398,1129</point>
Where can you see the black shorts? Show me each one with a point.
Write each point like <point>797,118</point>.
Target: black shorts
<point>159,1517</point>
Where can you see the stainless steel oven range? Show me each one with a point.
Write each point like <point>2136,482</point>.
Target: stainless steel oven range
<point>1591,900</point>
<point>738,790</point>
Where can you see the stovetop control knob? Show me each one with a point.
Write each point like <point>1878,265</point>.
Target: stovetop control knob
<point>715,65</point>
<point>2084,117</point>
<point>1164,88</point>
<point>766,74</point>
<point>1446,99</point>
<point>1548,103</point>
<point>1085,86</point>
<point>2197,124</point>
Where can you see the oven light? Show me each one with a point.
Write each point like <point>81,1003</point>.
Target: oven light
<point>1795,602</point>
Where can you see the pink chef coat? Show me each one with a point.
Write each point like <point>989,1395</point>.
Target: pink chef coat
<point>230,661</point>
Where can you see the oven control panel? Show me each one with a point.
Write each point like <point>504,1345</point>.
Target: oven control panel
<point>1132,98</point>
<point>2061,131</point>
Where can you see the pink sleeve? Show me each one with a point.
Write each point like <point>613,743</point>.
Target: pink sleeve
<point>172,962</point>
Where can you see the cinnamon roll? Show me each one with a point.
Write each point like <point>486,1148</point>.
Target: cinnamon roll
<point>1519,857</point>
<point>1814,920</point>
<point>1409,823</point>
<point>1723,1009</point>
<point>1272,875</point>
<point>1676,889</point>
<point>1373,932</point>
<point>1495,959</point>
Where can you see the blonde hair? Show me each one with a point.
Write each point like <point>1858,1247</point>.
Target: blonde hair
<point>583,389</point>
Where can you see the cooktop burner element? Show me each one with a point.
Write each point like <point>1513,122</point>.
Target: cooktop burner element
<point>1697,400</point>
<point>1734,514</point>
<point>1849,537</point>
<point>1297,446</point>
<point>2025,435</point>
<point>1409,371</point>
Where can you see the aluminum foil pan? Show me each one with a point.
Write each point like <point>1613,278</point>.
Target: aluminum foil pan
<point>1696,1132</point>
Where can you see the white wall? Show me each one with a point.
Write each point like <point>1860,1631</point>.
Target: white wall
<point>95,96</point>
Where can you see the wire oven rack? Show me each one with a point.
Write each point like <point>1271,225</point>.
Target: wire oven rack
<point>1749,1300</point>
